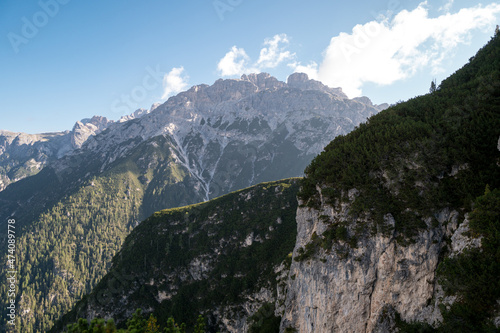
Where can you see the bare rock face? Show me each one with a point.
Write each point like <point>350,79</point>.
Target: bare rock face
<point>263,81</point>
<point>86,127</point>
<point>461,241</point>
<point>23,155</point>
<point>301,81</point>
<point>257,116</point>
<point>138,113</point>
<point>360,289</point>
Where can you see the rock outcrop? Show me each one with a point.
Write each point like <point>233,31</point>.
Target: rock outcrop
<point>361,288</point>
<point>23,155</point>
<point>86,127</point>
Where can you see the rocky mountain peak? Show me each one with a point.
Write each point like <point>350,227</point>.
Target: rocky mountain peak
<point>138,113</point>
<point>231,105</point>
<point>263,81</point>
<point>297,78</point>
<point>154,106</point>
<point>301,81</point>
<point>84,128</point>
<point>364,100</point>
<point>98,121</point>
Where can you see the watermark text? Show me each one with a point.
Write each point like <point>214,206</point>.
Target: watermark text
<point>11,271</point>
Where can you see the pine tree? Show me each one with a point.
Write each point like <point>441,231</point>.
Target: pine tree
<point>200,325</point>
<point>151,325</point>
<point>433,87</point>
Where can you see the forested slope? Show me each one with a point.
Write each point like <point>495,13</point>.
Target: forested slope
<point>399,220</point>
<point>225,258</point>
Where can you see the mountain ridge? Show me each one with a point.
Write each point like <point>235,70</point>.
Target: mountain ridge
<point>200,144</point>
<point>46,148</point>
<point>397,228</point>
<point>197,244</point>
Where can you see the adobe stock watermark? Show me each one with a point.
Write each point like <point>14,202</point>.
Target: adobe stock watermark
<point>31,26</point>
<point>223,6</point>
<point>366,33</point>
<point>11,270</point>
<point>131,101</point>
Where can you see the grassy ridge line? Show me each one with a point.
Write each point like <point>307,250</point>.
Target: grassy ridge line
<point>163,247</point>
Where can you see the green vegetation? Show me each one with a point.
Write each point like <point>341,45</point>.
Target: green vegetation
<point>473,276</point>
<point>135,324</point>
<point>337,234</point>
<point>65,246</point>
<point>63,262</point>
<point>264,320</point>
<point>290,330</point>
<point>413,327</point>
<point>240,238</point>
<point>417,157</point>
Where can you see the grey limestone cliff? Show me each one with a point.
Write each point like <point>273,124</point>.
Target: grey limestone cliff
<point>360,288</point>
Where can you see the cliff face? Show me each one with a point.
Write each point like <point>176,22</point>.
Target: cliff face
<point>361,289</point>
<point>350,289</point>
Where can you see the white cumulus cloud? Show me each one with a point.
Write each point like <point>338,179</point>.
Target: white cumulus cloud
<point>234,62</point>
<point>174,82</point>
<point>274,52</point>
<point>391,50</point>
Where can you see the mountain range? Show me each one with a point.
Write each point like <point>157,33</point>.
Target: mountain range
<point>397,230</point>
<point>91,186</point>
<point>394,226</point>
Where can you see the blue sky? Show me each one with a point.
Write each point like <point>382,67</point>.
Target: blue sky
<point>64,60</point>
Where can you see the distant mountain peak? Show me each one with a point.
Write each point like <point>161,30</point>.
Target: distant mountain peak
<point>297,77</point>
<point>85,128</point>
<point>301,81</point>
<point>263,81</point>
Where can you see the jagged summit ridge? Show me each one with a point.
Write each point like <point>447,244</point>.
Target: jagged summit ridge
<point>83,129</point>
<point>23,155</point>
<point>254,95</point>
<point>302,81</point>
<point>257,112</point>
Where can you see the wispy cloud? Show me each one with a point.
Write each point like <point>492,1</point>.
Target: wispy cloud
<point>447,6</point>
<point>383,52</point>
<point>274,53</point>
<point>174,82</point>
